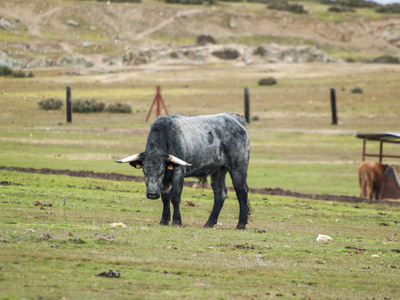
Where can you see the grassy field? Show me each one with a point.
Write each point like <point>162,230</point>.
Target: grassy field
<point>293,146</point>
<point>57,251</point>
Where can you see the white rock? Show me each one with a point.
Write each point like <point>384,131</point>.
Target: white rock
<point>323,238</point>
<point>119,224</point>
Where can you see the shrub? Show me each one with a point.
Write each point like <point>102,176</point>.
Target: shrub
<point>226,53</point>
<point>357,90</point>
<point>297,9</point>
<point>87,106</point>
<point>267,81</point>
<point>205,39</point>
<point>326,1</point>
<point>386,59</point>
<point>340,9</point>
<point>50,104</point>
<point>119,108</point>
<point>356,3</point>
<point>185,1</point>
<point>284,5</point>
<point>130,1</point>
<point>7,72</point>
<point>389,9</point>
<point>255,118</point>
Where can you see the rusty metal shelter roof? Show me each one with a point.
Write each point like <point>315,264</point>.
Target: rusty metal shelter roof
<point>386,137</point>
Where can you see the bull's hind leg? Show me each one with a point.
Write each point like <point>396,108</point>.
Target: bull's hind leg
<point>219,188</point>
<point>241,188</point>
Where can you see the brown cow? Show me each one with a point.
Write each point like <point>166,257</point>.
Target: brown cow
<point>371,176</point>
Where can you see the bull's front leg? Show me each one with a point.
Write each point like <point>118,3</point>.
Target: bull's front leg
<point>176,217</point>
<point>166,214</point>
<point>176,192</point>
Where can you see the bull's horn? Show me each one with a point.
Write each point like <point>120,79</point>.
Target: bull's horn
<point>178,161</point>
<point>128,159</point>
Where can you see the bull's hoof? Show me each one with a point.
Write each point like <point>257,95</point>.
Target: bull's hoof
<point>209,224</point>
<point>177,224</point>
<point>241,226</point>
<point>164,223</point>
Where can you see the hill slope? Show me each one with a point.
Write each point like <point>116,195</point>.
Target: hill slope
<point>56,28</point>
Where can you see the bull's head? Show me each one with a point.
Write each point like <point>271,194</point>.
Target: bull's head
<point>154,165</point>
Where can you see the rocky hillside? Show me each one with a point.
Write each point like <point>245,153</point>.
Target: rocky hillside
<point>40,33</point>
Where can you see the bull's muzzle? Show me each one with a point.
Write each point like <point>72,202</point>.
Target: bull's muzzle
<point>153,196</point>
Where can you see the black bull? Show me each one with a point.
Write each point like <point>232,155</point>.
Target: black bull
<point>201,146</point>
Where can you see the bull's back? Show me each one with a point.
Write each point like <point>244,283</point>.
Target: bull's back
<point>212,130</point>
<point>208,141</point>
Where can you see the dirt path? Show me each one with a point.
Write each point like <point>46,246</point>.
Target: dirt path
<point>263,191</point>
<point>180,14</point>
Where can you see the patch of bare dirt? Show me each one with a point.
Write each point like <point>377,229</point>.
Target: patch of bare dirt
<point>264,191</point>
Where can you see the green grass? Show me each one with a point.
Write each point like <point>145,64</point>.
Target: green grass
<point>293,145</point>
<point>276,256</point>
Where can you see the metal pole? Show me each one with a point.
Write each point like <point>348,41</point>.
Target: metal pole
<point>158,96</point>
<point>333,106</point>
<point>247,105</point>
<point>69,105</point>
<point>380,152</point>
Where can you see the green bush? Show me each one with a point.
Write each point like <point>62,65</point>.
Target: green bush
<point>389,9</point>
<point>386,59</point>
<point>284,5</point>
<point>356,3</point>
<point>129,1</point>
<point>350,3</point>
<point>87,106</point>
<point>119,108</point>
<point>258,1</point>
<point>340,9</point>
<point>205,39</point>
<point>50,104</point>
<point>8,72</point>
<point>5,71</point>
<point>357,90</point>
<point>185,1</point>
<point>255,118</point>
<point>267,81</point>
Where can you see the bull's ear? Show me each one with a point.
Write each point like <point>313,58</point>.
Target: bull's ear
<point>136,164</point>
<point>170,166</point>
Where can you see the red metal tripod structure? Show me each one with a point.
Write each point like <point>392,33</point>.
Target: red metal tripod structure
<point>158,99</point>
